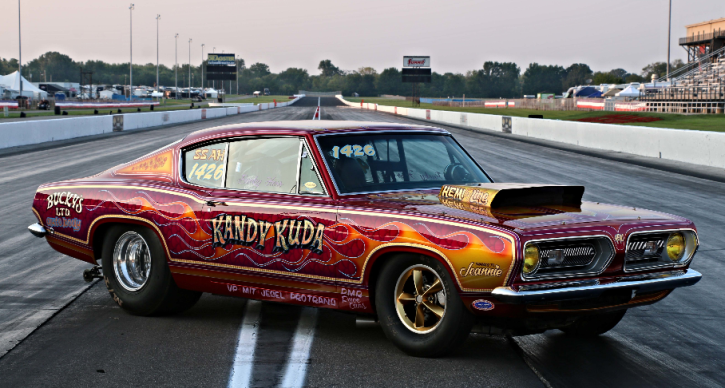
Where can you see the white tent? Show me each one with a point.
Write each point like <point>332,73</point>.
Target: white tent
<point>211,93</point>
<point>629,91</point>
<point>106,94</point>
<point>12,81</point>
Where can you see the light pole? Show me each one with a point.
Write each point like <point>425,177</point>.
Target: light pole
<point>669,31</point>
<point>157,51</point>
<point>237,63</point>
<point>130,64</point>
<point>190,68</point>
<point>20,55</point>
<point>213,83</point>
<point>202,69</point>
<point>176,66</point>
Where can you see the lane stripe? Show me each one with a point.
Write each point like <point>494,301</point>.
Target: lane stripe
<point>241,374</point>
<point>296,371</point>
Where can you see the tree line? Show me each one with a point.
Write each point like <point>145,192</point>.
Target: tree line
<point>493,80</point>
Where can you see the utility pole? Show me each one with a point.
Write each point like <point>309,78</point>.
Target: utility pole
<point>189,67</point>
<point>213,82</point>
<point>20,55</point>
<point>202,70</point>
<point>669,31</point>
<point>157,51</point>
<point>176,66</point>
<point>130,64</point>
<point>237,63</point>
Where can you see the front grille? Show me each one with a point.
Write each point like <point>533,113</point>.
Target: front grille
<point>645,248</point>
<point>578,255</point>
<point>571,257</point>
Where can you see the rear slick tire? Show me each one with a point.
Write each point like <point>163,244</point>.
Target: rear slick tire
<point>595,324</point>
<point>419,308</point>
<point>137,275</point>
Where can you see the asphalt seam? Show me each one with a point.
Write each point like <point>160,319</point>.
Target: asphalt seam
<point>47,320</point>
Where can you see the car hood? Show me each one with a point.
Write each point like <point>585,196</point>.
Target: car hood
<point>517,218</point>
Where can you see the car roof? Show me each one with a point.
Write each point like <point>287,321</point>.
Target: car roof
<point>303,127</point>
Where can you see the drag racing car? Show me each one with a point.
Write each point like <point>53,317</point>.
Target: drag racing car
<point>394,223</point>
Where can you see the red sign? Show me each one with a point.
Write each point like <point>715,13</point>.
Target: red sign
<point>422,61</point>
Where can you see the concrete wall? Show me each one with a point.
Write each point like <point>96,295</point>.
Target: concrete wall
<point>690,146</point>
<point>38,131</point>
<point>19,133</point>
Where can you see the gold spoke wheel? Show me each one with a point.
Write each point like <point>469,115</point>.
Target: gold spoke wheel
<point>420,299</point>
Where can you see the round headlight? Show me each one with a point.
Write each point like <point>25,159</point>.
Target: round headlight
<point>531,258</point>
<point>676,246</point>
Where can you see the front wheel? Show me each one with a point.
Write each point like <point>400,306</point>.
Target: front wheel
<point>595,324</point>
<point>137,276</point>
<point>419,308</point>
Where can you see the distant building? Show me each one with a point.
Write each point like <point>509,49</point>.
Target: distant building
<point>703,38</point>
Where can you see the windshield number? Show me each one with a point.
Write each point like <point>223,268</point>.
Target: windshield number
<point>353,150</point>
<point>207,171</point>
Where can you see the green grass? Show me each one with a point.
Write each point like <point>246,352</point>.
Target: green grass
<point>700,122</point>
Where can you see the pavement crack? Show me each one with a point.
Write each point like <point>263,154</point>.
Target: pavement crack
<point>528,361</point>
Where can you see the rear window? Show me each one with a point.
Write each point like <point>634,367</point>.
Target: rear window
<point>274,165</point>
<point>206,165</point>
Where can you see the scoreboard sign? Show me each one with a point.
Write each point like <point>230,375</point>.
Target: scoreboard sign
<point>221,67</point>
<point>416,75</point>
<point>416,69</point>
<point>221,60</point>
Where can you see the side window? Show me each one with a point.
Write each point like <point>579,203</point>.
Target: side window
<point>309,180</point>
<point>264,165</point>
<point>206,165</point>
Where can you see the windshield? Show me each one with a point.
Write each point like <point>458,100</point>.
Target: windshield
<point>386,162</point>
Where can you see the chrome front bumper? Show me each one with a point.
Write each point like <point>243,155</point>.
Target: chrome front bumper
<point>37,230</point>
<point>582,290</point>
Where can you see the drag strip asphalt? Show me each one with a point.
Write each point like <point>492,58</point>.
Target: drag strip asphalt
<point>57,330</point>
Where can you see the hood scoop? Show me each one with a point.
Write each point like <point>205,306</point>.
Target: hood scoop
<point>499,195</point>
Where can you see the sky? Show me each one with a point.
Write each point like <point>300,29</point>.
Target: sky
<point>458,35</point>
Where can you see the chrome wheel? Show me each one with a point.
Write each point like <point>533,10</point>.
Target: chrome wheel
<point>420,299</point>
<point>132,261</point>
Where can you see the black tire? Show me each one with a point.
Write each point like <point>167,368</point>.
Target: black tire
<point>595,324</point>
<point>452,329</point>
<point>159,295</point>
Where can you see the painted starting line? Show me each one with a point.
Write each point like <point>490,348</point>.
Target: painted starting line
<point>299,356</point>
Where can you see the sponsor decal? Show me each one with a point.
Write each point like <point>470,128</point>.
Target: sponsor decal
<point>483,305</point>
<point>353,298</point>
<point>481,269</point>
<point>506,124</point>
<point>57,222</point>
<point>310,185</point>
<point>288,233</point>
<point>278,295</point>
<point>313,299</point>
<point>151,164</point>
<point>117,123</point>
<point>65,199</point>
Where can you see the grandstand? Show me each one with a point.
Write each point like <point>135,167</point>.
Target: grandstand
<point>698,87</point>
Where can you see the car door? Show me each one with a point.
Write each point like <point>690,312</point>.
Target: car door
<point>269,221</point>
